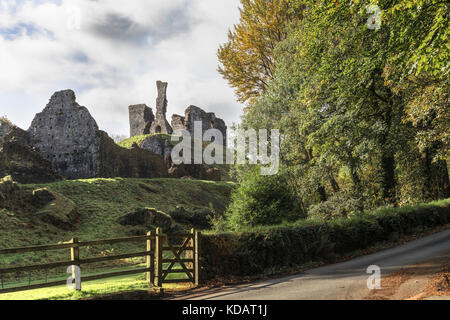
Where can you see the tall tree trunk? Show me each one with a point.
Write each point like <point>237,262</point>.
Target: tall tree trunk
<point>443,179</point>
<point>387,104</point>
<point>322,193</point>
<point>427,187</point>
<point>321,189</point>
<point>388,182</point>
<point>334,185</point>
<point>357,184</point>
<point>436,178</point>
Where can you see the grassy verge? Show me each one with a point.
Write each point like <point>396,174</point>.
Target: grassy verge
<point>92,289</point>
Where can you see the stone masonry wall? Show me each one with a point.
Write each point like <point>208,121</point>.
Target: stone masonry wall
<point>65,134</point>
<point>208,119</point>
<point>141,119</point>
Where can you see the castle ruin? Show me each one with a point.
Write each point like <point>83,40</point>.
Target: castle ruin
<point>66,135</point>
<point>64,140</point>
<point>143,122</point>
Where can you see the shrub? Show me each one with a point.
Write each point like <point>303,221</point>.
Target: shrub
<point>262,200</point>
<point>337,206</point>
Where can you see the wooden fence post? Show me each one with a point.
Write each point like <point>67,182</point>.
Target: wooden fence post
<point>159,257</point>
<point>196,258</point>
<point>190,253</point>
<point>75,258</point>
<point>150,261</point>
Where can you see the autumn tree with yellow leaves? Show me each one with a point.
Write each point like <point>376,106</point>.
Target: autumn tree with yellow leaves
<point>246,59</point>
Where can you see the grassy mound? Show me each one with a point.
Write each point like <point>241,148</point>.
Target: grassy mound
<point>100,203</point>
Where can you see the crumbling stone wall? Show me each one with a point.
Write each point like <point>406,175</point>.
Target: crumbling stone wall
<point>161,125</point>
<point>178,122</point>
<point>65,134</point>
<point>128,163</point>
<point>160,145</point>
<point>141,119</point>
<point>208,119</point>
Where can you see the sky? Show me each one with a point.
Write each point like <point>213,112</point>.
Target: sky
<point>111,53</point>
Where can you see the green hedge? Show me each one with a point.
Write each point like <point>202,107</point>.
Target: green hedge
<point>255,252</point>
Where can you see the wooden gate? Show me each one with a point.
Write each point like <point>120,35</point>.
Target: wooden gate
<point>168,255</point>
<point>164,252</point>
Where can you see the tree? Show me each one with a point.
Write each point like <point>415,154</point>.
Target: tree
<point>364,114</point>
<point>418,71</point>
<point>263,200</point>
<point>247,60</point>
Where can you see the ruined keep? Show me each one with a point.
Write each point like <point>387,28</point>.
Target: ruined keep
<point>141,118</point>
<point>66,135</point>
<point>64,141</point>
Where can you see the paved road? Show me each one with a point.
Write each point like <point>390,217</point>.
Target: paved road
<point>347,280</point>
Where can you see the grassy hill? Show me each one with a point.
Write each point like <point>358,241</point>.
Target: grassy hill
<point>37,214</point>
<point>91,209</point>
<point>101,202</point>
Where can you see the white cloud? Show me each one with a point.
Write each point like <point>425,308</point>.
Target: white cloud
<point>114,60</point>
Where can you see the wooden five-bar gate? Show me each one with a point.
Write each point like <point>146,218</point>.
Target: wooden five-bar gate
<point>159,262</point>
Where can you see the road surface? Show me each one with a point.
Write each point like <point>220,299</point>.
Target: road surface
<point>347,280</point>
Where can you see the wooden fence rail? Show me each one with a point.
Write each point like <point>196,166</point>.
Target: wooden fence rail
<point>156,275</point>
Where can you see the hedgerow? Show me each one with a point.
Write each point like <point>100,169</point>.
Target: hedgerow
<point>274,248</point>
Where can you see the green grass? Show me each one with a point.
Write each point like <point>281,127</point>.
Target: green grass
<point>91,289</point>
<point>127,143</point>
<point>100,202</point>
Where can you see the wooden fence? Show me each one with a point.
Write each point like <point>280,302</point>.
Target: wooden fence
<point>157,244</point>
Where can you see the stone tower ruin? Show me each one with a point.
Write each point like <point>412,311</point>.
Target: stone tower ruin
<point>161,125</point>
<point>143,122</point>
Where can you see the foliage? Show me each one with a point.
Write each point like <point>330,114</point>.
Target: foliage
<point>418,67</point>
<point>262,200</point>
<point>247,60</point>
<point>269,249</point>
<point>362,112</point>
<point>337,206</point>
